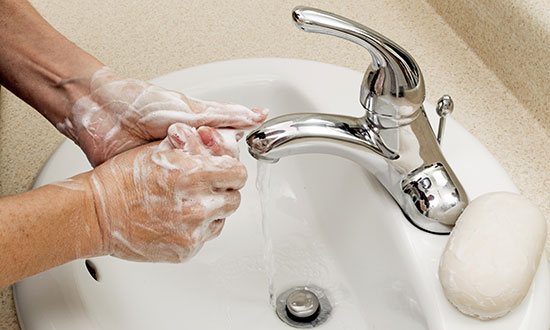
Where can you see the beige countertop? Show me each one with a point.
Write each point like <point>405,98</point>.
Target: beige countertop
<point>143,39</point>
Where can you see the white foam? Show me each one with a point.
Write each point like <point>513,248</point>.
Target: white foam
<point>130,109</point>
<point>70,184</point>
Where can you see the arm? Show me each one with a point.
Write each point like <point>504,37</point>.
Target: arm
<point>47,227</point>
<point>102,113</point>
<point>106,116</point>
<point>159,202</point>
<point>35,59</point>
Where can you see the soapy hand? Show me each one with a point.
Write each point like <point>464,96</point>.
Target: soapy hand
<point>162,201</point>
<point>120,114</point>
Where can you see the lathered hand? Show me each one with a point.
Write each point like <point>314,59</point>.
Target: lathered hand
<point>163,201</point>
<point>120,114</point>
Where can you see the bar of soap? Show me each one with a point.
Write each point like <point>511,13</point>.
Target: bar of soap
<point>492,255</point>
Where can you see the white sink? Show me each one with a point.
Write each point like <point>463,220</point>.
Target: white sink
<point>334,226</point>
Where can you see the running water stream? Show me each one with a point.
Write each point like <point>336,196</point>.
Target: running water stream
<point>303,258</point>
<point>262,184</point>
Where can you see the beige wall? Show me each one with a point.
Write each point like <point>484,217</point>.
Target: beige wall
<point>512,37</point>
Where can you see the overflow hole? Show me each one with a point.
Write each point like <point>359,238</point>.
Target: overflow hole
<point>92,269</point>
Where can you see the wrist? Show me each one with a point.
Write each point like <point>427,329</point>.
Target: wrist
<point>73,79</point>
<point>98,194</point>
<point>76,85</point>
<point>92,233</point>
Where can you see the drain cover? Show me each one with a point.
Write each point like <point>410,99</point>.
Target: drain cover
<point>303,307</point>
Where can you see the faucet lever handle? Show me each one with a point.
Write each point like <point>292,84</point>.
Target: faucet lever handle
<point>443,109</point>
<point>393,85</point>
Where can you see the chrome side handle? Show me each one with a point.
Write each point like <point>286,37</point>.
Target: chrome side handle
<point>393,85</point>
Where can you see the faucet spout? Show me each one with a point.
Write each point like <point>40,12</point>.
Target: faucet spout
<point>413,170</point>
<point>315,133</point>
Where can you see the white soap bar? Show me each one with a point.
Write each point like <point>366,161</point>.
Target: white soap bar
<point>492,255</point>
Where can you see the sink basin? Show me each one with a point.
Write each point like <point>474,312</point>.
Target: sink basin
<point>333,226</point>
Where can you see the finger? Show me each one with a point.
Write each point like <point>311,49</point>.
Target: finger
<point>185,138</point>
<point>216,114</point>
<point>215,228</point>
<point>210,173</point>
<point>220,142</point>
<point>176,136</point>
<point>223,204</point>
<point>164,145</point>
<point>182,248</point>
<point>233,177</point>
<point>213,140</point>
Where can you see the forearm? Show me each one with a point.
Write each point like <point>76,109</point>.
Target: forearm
<point>47,227</point>
<point>35,58</point>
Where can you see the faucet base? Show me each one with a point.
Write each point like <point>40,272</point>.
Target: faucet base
<point>432,200</point>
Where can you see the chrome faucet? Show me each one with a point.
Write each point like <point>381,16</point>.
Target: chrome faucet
<point>393,140</point>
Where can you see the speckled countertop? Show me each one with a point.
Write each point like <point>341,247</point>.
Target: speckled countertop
<point>145,39</point>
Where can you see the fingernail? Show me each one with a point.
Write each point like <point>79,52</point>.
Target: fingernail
<point>177,140</point>
<point>261,111</point>
<point>206,135</point>
<point>178,135</point>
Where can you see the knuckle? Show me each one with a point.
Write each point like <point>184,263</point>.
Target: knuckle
<point>215,228</point>
<point>234,199</point>
<point>240,173</point>
<point>201,213</point>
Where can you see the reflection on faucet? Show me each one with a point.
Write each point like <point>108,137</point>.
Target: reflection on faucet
<point>394,140</point>
<point>409,158</point>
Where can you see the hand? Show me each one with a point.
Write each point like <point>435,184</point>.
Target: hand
<point>120,114</point>
<point>162,201</point>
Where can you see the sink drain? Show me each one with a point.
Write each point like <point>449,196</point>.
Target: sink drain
<point>303,307</point>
